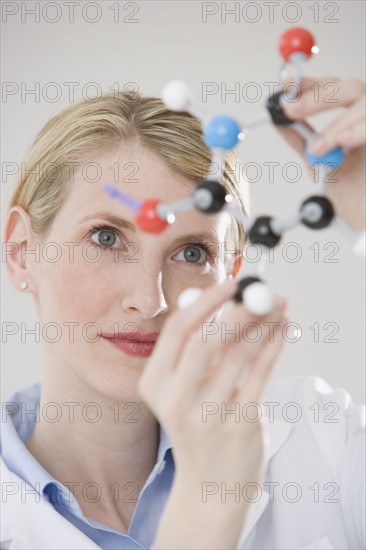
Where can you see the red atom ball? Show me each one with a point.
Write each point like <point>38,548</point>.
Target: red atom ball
<point>296,40</point>
<point>147,218</point>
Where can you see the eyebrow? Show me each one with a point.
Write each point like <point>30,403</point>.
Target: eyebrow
<point>124,224</point>
<point>110,218</point>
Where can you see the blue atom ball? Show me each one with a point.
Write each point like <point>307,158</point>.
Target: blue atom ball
<point>335,157</point>
<point>221,132</point>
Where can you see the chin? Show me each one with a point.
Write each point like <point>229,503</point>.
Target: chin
<point>111,376</point>
<point>118,382</point>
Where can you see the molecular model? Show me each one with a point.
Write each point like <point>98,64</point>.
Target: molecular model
<point>223,133</point>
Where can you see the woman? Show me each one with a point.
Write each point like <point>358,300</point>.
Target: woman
<point>134,444</point>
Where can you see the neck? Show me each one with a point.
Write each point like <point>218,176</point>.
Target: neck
<point>95,439</point>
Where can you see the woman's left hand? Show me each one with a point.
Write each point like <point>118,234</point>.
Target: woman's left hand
<point>347,191</point>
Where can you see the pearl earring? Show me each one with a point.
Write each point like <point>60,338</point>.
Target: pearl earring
<point>23,285</point>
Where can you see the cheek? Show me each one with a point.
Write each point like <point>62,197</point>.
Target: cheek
<point>77,289</point>
<point>177,282</point>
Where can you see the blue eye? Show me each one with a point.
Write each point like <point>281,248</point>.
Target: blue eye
<point>106,237</point>
<point>193,254</point>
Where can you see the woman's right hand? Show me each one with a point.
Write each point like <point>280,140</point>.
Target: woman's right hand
<point>189,382</point>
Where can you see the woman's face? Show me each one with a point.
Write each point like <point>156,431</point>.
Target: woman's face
<point>119,279</point>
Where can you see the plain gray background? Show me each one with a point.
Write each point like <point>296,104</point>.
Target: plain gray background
<point>144,45</point>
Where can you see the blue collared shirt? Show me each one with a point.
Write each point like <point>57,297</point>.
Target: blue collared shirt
<point>19,417</point>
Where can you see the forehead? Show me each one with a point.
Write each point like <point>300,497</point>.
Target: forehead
<point>142,175</point>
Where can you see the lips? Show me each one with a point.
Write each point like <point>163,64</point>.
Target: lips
<point>134,344</point>
<point>137,337</point>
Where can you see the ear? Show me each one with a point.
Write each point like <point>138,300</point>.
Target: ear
<point>17,252</point>
<point>237,265</point>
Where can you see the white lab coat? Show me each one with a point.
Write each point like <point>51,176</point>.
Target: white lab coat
<point>319,450</point>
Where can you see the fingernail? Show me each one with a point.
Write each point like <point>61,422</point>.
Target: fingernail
<point>317,145</point>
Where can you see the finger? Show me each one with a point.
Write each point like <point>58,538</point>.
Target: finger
<point>312,83</point>
<point>242,392</point>
<point>228,328</point>
<point>308,83</point>
<point>181,324</point>
<point>347,131</point>
<point>247,329</point>
<point>236,365</point>
<point>200,355</point>
<point>260,372</point>
<point>202,348</point>
<point>273,333</point>
<point>353,137</point>
<point>310,87</point>
<point>325,94</point>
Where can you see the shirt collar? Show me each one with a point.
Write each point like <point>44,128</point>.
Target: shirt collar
<point>19,416</point>
<point>164,443</point>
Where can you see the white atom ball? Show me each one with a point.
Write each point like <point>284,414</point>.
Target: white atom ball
<point>176,95</point>
<point>188,297</point>
<point>259,299</point>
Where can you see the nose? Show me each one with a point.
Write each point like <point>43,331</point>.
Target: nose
<point>145,294</point>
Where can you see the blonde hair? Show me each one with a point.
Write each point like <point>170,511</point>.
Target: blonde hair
<point>88,126</point>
